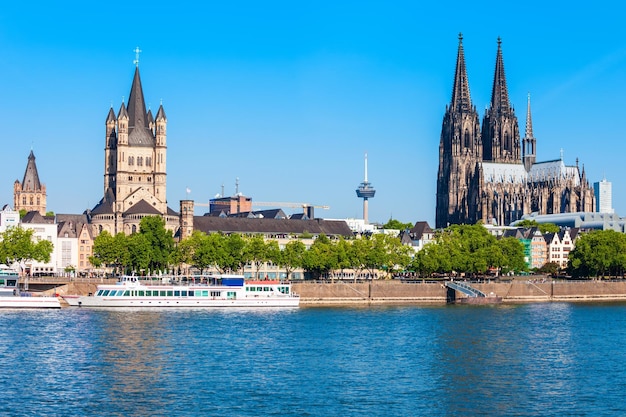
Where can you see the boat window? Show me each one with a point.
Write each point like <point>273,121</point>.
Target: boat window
<point>99,293</point>
<point>266,288</point>
<point>259,288</point>
<point>162,293</point>
<point>176,293</point>
<point>169,293</point>
<point>216,293</point>
<point>140,293</point>
<point>1,282</point>
<point>105,293</point>
<point>205,293</point>
<point>191,294</point>
<point>183,293</point>
<point>148,293</point>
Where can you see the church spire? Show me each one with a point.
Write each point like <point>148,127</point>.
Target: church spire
<point>31,176</point>
<point>499,93</point>
<point>501,138</point>
<point>461,100</point>
<point>529,143</point>
<point>136,104</point>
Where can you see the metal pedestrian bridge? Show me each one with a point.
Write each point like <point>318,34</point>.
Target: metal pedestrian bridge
<point>465,289</point>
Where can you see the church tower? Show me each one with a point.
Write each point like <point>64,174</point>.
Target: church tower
<point>529,148</point>
<point>460,149</point>
<point>30,194</point>
<point>134,165</point>
<point>500,130</point>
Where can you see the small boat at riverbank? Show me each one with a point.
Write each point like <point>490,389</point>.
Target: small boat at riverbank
<point>12,297</point>
<point>212,291</point>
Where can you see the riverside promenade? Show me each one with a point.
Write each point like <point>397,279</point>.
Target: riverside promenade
<point>422,292</point>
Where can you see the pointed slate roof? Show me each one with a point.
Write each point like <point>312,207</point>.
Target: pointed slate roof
<point>111,115</point>
<point>461,100</point>
<point>499,93</point>
<point>139,133</point>
<point>31,176</point>
<point>161,113</point>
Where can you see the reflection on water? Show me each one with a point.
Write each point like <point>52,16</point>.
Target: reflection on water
<point>535,359</point>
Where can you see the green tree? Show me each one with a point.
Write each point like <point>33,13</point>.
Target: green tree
<point>320,259</point>
<point>597,254</point>
<point>512,255</point>
<point>17,245</point>
<point>160,240</point>
<point>236,256</point>
<point>397,225</point>
<point>139,253</point>
<point>470,249</point>
<point>543,227</point>
<point>257,252</point>
<point>292,256</point>
<point>110,251</point>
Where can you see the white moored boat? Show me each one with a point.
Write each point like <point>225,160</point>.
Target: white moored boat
<point>213,291</point>
<point>11,297</point>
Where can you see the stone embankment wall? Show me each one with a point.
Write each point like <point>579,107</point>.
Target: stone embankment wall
<point>379,292</point>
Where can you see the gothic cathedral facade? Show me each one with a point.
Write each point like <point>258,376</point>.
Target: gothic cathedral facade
<point>486,174</point>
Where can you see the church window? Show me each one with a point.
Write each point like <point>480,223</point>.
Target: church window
<point>134,229</point>
<point>31,201</point>
<point>38,200</point>
<point>466,138</point>
<point>139,161</point>
<point>24,200</point>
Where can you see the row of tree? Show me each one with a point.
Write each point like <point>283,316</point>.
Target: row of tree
<point>469,249</point>
<point>598,253</point>
<point>456,249</point>
<point>152,249</point>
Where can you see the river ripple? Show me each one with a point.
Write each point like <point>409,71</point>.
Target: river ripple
<point>547,359</point>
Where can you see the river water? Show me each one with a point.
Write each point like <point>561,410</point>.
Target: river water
<point>550,359</point>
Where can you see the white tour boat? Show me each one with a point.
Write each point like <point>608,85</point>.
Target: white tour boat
<point>212,291</point>
<point>11,297</point>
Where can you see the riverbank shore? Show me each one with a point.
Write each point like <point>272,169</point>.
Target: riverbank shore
<point>397,292</point>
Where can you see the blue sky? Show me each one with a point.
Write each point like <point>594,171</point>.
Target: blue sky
<point>288,96</point>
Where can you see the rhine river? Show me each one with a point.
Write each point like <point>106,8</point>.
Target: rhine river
<point>550,359</point>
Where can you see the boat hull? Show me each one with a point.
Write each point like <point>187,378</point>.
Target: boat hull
<point>29,302</point>
<point>93,301</point>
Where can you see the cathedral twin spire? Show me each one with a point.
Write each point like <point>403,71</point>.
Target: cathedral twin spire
<point>500,132</point>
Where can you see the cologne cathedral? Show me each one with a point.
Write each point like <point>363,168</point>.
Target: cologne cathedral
<point>487,174</point>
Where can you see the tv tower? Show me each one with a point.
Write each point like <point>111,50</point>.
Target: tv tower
<point>365,191</point>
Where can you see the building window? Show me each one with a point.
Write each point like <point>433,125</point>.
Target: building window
<point>139,161</point>
<point>148,161</point>
<point>131,160</point>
